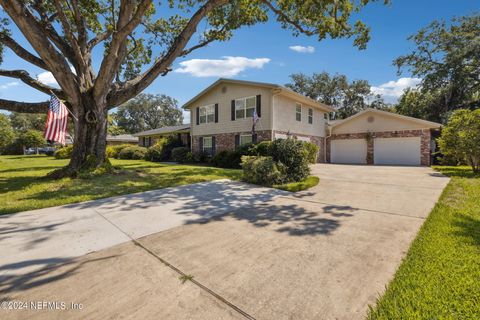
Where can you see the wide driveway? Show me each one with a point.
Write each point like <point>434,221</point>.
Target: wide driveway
<point>250,252</point>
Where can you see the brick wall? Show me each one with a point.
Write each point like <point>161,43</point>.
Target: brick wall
<point>424,135</point>
<point>226,141</point>
<point>319,141</point>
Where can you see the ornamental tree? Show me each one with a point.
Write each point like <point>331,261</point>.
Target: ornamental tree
<point>140,40</point>
<point>460,138</point>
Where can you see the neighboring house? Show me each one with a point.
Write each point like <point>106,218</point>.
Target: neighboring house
<point>379,137</point>
<point>121,139</point>
<point>149,137</point>
<point>222,116</point>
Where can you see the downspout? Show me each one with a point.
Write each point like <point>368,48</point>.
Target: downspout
<point>329,134</point>
<point>274,93</point>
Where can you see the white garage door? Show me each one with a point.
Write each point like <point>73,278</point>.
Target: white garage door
<point>397,151</point>
<point>349,151</point>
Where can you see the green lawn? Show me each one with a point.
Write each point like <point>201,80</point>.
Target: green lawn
<point>23,188</point>
<point>440,276</point>
<point>311,181</point>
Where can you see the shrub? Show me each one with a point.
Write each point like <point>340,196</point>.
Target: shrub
<point>133,153</point>
<point>115,150</point>
<point>179,154</point>
<point>189,158</point>
<point>227,159</point>
<point>312,151</point>
<point>262,170</point>
<point>155,153</point>
<point>109,152</point>
<point>63,153</point>
<point>263,148</point>
<point>294,156</point>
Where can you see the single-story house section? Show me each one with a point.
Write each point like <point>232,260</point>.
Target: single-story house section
<point>149,137</point>
<point>121,139</point>
<point>382,138</point>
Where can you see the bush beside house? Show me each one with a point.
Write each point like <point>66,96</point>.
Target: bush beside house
<point>133,153</point>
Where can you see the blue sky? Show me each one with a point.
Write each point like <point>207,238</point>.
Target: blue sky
<point>263,53</point>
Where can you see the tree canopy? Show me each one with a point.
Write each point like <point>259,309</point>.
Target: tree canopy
<point>447,58</point>
<point>139,41</point>
<point>148,111</point>
<point>347,97</point>
<point>460,138</point>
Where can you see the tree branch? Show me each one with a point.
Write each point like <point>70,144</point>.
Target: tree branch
<point>25,78</point>
<point>21,52</point>
<point>24,107</point>
<point>121,93</point>
<point>286,19</point>
<point>125,25</point>
<point>34,32</point>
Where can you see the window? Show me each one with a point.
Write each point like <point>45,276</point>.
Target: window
<point>298,112</point>
<point>310,115</point>
<point>207,114</point>
<point>245,139</point>
<point>207,145</point>
<point>245,107</point>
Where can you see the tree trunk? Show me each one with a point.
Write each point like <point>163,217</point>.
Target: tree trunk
<point>90,139</point>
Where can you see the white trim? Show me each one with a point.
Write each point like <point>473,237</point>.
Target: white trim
<point>298,104</point>
<point>396,115</point>
<point>245,106</point>
<point>206,114</point>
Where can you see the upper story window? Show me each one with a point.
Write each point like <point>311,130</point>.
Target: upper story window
<point>245,107</point>
<point>310,115</point>
<point>298,112</point>
<point>207,114</point>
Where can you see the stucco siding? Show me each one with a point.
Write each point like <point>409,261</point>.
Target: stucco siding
<point>374,122</point>
<point>284,118</point>
<point>223,94</point>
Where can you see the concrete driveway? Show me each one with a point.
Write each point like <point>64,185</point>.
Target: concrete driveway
<point>257,253</point>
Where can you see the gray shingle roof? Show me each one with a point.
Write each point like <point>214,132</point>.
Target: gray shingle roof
<point>171,129</point>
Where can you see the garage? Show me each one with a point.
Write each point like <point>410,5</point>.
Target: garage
<point>397,151</point>
<point>381,138</point>
<point>349,151</point>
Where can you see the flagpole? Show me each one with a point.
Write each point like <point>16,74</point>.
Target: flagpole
<point>73,116</point>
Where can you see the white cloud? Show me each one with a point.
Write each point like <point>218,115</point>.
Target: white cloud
<point>9,85</point>
<point>225,67</point>
<point>302,49</point>
<point>48,78</point>
<point>392,90</point>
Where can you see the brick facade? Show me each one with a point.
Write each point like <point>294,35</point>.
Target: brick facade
<point>319,141</point>
<point>425,137</point>
<point>226,141</point>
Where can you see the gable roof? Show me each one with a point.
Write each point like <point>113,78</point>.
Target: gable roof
<point>164,130</point>
<point>427,124</point>
<point>279,89</point>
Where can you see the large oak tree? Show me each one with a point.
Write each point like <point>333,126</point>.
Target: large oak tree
<point>140,41</point>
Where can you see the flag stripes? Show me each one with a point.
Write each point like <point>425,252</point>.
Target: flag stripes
<point>56,126</point>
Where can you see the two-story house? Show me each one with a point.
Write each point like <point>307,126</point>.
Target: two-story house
<point>222,116</point>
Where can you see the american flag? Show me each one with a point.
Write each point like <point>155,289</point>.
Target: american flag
<point>255,120</point>
<point>56,126</point>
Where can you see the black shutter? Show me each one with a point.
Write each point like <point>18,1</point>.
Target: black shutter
<point>198,115</point>
<point>233,110</point>
<point>259,105</point>
<point>216,112</point>
<point>200,144</point>
<point>214,145</point>
<point>237,140</point>
<point>254,138</point>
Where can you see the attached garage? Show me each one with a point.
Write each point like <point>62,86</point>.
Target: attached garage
<point>351,151</point>
<point>379,137</point>
<point>397,151</point>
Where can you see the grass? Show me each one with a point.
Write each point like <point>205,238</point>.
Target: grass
<point>440,276</point>
<point>22,186</point>
<point>311,181</point>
